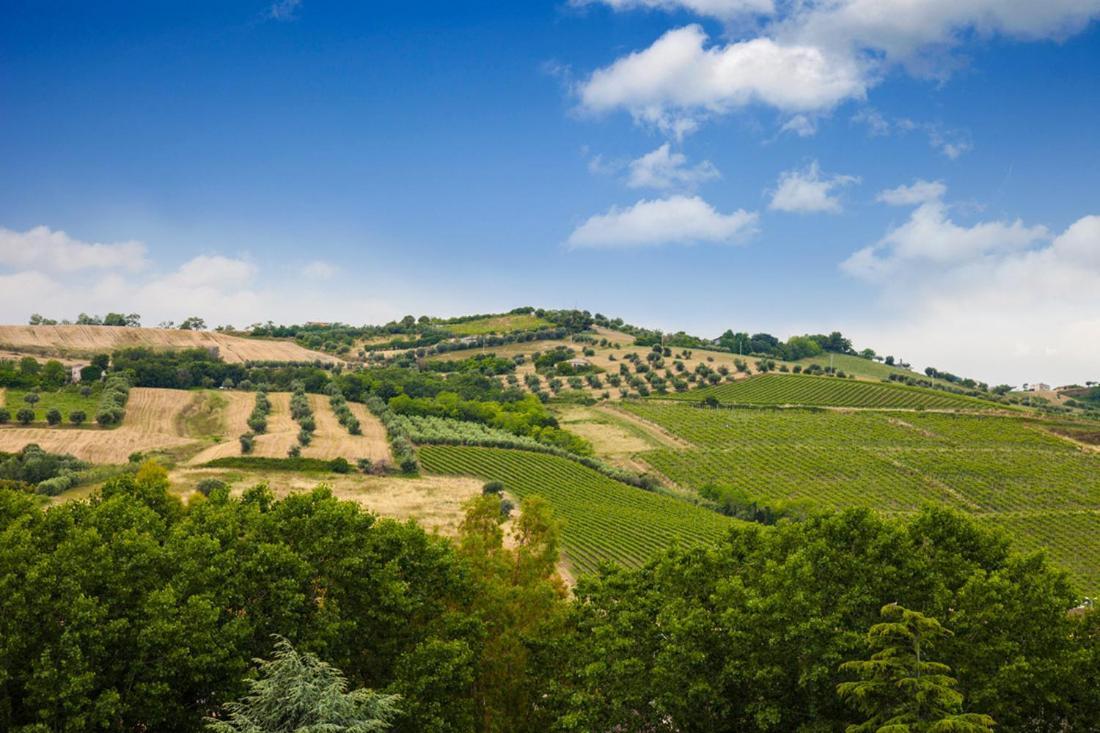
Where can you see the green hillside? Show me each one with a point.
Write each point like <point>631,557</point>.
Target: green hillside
<point>604,520</point>
<point>805,390</point>
<point>1007,471</point>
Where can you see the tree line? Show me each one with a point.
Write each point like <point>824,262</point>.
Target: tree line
<point>132,610</point>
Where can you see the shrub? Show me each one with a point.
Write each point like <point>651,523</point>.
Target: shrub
<point>294,452</point>
<point>209,485</point>
<point>493,487</point>
<point>364,465</point>
<point>25,416</point>
<point>247,442</point>
<point>340,465</point>
<point>77,417</point>
<point>53,416</point>
<point>5,416</point>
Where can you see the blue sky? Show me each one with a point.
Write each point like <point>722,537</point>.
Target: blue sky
<point>922,175</point>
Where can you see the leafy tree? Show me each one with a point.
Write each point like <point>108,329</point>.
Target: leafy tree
<point>25,416</point>
<point>103,361</point>
<point>296,693</point>
<point>5,415</point>
<point>899,688</point>
<point>77,417</point>
<point>193,323</point>
<point>53,416</point>
<point>91,373</point>
<point>54,374</point>
<point>31,398</point>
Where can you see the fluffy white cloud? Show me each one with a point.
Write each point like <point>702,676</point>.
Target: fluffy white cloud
<point>52,250</point>
<point>809,56</point>
<point>931,239</point>
<point>677,81</point>
<point>807,191</point>
<point>664,169</point>
<point>919,192</point>
<point>724,9</point>
<point>672,220</point>
<point>903,30</point>
<point>998,300</point>
<point>212,271</point>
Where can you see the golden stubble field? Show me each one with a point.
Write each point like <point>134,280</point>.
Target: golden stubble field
<point>331,439</point>
<point>153,422</point>
<point>73,342</point>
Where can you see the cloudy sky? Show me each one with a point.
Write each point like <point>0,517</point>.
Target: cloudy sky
<point>921,174</point>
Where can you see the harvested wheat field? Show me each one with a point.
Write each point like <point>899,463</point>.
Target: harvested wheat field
<point>234,419</point>
<point>435,502</point>
<point>153,422</point>
<point>85,341</point>
<point>332,440</point>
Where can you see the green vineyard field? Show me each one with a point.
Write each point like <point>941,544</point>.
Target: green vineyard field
<point>1006,471</point>
<point>800,389</point>
<point>605,520</point>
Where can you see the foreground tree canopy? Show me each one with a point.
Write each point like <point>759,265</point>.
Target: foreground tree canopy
<point>131,611</point>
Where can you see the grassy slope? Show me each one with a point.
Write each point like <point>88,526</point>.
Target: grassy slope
<point>1009,472</point>
<point>66,400</point>
<point>497,324</point>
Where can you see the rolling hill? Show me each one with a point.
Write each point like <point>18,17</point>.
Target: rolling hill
<point>86,341</point>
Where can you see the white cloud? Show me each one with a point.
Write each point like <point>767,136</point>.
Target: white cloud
<point>809,56</point>
<point>1008,315</point>
<point>319,270</point>
<point>678,81</point>
<point>921,191</point>
<point>723,9</point>
<point>673,220</point>
<point>212,271</point>
<point>807,191</point>
<point>800,125</point>
<point>55,251</point>
<point>664,169</point>
<point>284,10</point>
<point>930,239</point>
<point>905,31</point>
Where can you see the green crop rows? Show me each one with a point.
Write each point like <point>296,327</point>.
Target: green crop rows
<point>605,520</point>
<point>791,389</point>
<point>1007,471</point>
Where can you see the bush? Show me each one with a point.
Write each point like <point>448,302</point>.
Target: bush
<point>5,416</point>
<point>364,465</point>
<point>305,437</point>
<point>77,417</point>
<point>53,416</point>
<point>493,487</point>
<point>340,465</point>
<point>209,485</point>
<point>247,442</point>
<point>25,416</point>
<point>294,452</point>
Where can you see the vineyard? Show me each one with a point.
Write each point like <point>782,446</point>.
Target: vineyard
<point>791,389</point>
<point>605,520</point>
<point>1007,471</point>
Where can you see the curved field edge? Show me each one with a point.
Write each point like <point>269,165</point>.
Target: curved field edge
<point>604,520</point>
<point>814,391</point>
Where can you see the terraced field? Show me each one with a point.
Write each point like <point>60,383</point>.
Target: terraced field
<point>605,521</point>
<point>1010,472</point>
<point>799,389</point>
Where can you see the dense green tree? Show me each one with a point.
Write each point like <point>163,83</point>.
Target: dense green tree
<point>295,693</point>
<point>900,689</point>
